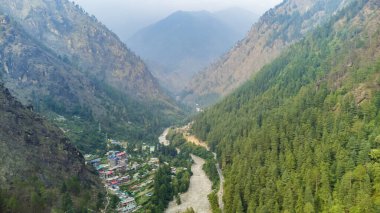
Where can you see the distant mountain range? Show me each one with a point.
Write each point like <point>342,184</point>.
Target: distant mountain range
<point>180,45</point>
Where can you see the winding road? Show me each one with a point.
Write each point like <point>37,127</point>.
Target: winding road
<point>221,191</point>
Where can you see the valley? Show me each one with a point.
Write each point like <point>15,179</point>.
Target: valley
<point>194,113</point>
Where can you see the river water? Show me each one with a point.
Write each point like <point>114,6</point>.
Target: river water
<point>199,189</point>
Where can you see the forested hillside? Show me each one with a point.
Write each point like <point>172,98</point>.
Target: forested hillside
<point>275,31</point>
<point>40,170</point>
<point>304,134</point>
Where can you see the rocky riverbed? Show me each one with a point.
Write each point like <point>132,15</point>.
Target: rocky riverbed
<point>196,196</point>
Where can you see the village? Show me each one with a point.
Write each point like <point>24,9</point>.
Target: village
<point>126,174</point>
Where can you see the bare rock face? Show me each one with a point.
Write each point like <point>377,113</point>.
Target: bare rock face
<point>70,32</point>
<point>277,29</point>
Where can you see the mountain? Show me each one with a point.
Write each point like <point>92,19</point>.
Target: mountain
<point>275,31</point>
<point>70,32</point>
<point>302,135</point>
<point>185,42</point>
<point>80,86</point>
<point>36,161</point>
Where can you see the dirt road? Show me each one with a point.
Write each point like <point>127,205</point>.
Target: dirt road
<point>196,196</point>
<point>221,191</point>
<point>162,139</point>
<point>195,140</point>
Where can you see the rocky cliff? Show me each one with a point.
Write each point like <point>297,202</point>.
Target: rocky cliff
<point>70,32</point>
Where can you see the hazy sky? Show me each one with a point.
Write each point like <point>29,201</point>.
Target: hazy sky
<point>125,17</point>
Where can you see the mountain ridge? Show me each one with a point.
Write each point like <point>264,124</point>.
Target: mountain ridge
<point>302,134</point>
<point>275,31</point>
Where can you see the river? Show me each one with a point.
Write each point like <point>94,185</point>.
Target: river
<point>200,186</point>
<point>199,189</point>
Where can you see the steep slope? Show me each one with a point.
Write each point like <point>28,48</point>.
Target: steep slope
<point>277,29</point>
<point>73,34</point>
<point>36,161</point>
<point>184,43</point>
<point>38,77</point>
<point>303,135</point>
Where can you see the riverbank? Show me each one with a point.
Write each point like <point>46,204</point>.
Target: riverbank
<point>199,189</point>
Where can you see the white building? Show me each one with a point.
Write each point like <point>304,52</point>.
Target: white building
<point>127,205</point>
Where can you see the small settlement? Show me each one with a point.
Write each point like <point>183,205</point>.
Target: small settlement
<point>129,176</point>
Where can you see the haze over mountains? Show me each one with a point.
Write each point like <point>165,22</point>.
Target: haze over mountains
<point>180,45</point>
<point>126,17</point>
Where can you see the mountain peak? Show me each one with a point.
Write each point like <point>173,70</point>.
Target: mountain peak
<point>185,42</point>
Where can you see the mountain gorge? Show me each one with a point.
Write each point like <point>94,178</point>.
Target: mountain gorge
<point>302,135</point>
<point>275,31</point>
<point>36,161</point>
<point>183,43</point>
<point>93,82</point>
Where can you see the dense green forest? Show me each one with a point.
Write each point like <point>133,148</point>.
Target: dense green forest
<point>303,135</point>
<point>71,197</point>
<point>168,185</point>
<point>163,190</point>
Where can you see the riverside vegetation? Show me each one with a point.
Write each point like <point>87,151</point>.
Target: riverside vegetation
<point>166,188</point>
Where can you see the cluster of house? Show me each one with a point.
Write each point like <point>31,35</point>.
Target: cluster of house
<point>114,169</point>
<point>111,173</point>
